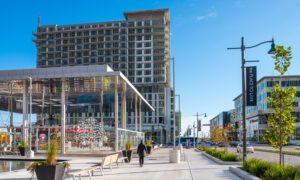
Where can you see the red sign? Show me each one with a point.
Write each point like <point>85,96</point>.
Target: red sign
<point>253,121</point>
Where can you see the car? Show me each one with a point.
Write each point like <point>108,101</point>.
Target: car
<point>249,148</point>
<point>221,144</point>
<point>212,143</point>
<point>234,144</point>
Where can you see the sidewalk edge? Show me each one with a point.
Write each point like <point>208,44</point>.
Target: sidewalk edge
<point>242,174</point>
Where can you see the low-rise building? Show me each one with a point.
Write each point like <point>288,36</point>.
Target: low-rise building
<point>256,116</point>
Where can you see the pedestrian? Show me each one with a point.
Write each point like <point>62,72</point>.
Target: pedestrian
<point>140,151</point>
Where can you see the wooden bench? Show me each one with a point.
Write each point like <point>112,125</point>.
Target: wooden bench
<point>106,161</point>
<point>89,170</point>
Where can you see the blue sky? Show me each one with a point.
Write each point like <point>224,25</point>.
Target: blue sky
<point>208,76</point>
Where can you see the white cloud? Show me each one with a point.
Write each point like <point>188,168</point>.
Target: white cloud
<point>212,14</point>
<point>200,18</point>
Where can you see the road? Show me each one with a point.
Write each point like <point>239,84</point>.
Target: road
<point>270,156</point>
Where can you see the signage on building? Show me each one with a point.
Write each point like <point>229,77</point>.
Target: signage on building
<point>251,86</point>
<point>199,125</point>
<point>253,121</point>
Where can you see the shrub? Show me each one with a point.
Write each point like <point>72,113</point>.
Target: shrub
<point>268,171</point>
<point>256,167</point>
<point>202,148</point>
<point>222,155</point>
<point>229,157</point>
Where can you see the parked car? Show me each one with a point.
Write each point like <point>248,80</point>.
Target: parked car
<point>234,144</point>
<point>221,144</point>
<point>212,143</point>
<point>249,148</point>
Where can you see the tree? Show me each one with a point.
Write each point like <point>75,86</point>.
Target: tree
<point>280,121</point>
<point>222,135</point>
<point>226,137</point>
<point>217,136</point>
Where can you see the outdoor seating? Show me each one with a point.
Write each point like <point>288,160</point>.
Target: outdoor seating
<point>107,161</point>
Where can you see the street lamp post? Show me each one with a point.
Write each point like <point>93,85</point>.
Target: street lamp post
<point>197,115</point>
<point>242,48</point>
<point>179,123</point>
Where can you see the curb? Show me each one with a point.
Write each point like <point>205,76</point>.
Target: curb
<point>242,174</point>
<point>276,152</point>
<point>220,161</point>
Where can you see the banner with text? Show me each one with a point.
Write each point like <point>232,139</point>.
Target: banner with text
<point>251,86</point>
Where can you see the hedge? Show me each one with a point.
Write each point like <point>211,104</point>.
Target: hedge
<point>271,171</point>
<point>222,155</point>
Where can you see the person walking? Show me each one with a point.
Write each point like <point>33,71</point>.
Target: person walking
<point>140,151</point>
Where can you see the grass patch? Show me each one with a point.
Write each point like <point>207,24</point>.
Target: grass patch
<point>275,150</point>
<point>270,171</point>
<point>222,155</point>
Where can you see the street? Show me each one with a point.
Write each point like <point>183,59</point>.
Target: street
<point>269,156</point>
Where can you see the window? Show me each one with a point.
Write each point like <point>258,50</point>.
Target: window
<point>100,59</point>
<point>148,58</point>
<point>148,51</point>
<point>93,53</point>
<point>100,32</point>
<point>147,37</point>
<point>139,59</point>
<point>86,60</point>
<point>139,38</point>
<point>139,52</point>
<point>148,65</point>
<point>93,60</point>
<point>115,38</point>
<point>148,44</point>
<point>79,61</point>
<point>86,40</point>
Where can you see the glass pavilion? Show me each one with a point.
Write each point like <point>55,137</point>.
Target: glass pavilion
<point>86,106</point>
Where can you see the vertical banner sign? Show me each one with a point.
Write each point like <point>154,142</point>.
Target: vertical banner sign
<point>251,86</point>
<point>199,125</point>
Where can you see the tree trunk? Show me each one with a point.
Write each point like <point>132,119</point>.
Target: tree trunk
<point>280,154</point>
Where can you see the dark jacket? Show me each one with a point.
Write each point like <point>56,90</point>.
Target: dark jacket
<point>140,150</point>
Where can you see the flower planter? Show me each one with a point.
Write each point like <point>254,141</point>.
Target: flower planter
<point>47,172</point>
<point>148,148</point>
<point>22,151</point>
<point>128,155</point>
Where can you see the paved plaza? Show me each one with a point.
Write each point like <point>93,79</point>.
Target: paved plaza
<point>157,166</point>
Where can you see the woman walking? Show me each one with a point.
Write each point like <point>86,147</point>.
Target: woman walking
<point>140,151</point>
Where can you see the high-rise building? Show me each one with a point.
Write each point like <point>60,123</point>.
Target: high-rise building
<point>138,46</point>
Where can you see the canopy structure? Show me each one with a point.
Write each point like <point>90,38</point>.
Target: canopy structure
<point>69,95</point>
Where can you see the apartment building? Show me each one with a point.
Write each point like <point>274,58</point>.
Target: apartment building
<point>256,116</point>
<point>138,46</point>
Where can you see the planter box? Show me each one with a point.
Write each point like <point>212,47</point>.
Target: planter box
<point>47,172</point>
<point>220,161</point>
<point>148,148</point>
<point>242,174</point>
<point>128,155</point>
<point>22,151</point>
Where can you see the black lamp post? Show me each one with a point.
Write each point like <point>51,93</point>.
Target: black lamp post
<point>242,48</point>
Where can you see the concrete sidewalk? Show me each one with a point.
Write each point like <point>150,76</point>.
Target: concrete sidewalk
<point>157,166</point>
<point>204,168</point>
